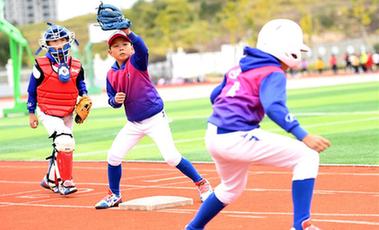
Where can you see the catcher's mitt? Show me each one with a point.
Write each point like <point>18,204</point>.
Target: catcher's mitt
<point>82,109</point>
<point>111,18</point>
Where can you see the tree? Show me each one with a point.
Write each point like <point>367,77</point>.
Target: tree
<point>4,50</point>
<point>307,25</point>
<point>173,16</point>
<point>362,13</point>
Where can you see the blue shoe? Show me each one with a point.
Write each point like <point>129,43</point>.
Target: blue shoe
<point>111,200</point>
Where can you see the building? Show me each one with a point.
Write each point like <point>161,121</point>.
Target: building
<point>21,12</point>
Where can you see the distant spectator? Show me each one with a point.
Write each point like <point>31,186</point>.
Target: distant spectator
<point>304,66</point>
<point>375,59</point>
<point>333,63</point>
<point>363,60</point>
<point>370,62</point>
<point>355,62</point>
<point>319,65</point>
<point>348,65</point>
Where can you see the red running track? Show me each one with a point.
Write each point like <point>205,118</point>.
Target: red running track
<point>345,198</point>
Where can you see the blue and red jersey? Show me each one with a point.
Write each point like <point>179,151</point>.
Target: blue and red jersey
<point>132,78</point>
<point>257,86</point>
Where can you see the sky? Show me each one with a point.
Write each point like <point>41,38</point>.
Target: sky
<point>72,8</point>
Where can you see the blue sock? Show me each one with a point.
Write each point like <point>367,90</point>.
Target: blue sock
<point>114,177</point>
<point>302,191</point>
<point>209,209</point>
<point>186,167</point>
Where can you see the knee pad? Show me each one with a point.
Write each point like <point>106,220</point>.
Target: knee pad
<point>64,142</point>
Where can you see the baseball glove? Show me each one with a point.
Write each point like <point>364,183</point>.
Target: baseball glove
<point>111,18</point>
<point>82,109</point>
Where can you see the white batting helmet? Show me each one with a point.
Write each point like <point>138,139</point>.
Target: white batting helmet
<point>283,39</point>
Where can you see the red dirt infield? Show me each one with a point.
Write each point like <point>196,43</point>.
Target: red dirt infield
<point>346,197</point>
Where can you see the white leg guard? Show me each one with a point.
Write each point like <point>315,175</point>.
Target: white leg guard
<point>64,145</point>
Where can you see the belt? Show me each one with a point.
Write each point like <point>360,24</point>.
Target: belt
<point>224,131</point>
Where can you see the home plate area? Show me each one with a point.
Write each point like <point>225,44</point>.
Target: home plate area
<point>155,202</point>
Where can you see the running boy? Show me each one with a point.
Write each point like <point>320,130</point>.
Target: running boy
<point>128,84</point>
<point>255,87</point>
<point>55,84</point>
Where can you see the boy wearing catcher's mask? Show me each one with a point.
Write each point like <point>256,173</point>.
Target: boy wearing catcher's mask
<point>55,84</point>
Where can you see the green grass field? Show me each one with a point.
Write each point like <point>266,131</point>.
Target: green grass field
<point>345,114</point>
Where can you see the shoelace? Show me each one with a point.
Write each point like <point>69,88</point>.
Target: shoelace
<point>110,197</point>
<point>68,183</point>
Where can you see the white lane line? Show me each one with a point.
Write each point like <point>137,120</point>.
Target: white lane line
<point>166,179</point>
<point>19,193</point>
<point>230,212</point>
<point>45,205</point>
<point>286,172</point>
<point>315,220</point>
<point>173,185</point>
<point>317,191</point>
<point>159,162</point>
<point>175,211</point>
<point>347,221</point>
<point>34,196</point>
<point>247,216</point>
<point>175,171</point>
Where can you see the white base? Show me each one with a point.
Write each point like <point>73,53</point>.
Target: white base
<point>155,202</point>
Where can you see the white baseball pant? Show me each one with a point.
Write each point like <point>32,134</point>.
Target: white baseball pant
<point>234,152</point>
<point>52,123</point>
<point>157,128</point>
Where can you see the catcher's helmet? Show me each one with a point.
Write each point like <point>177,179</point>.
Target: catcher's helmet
<point>53,33</point>
<point>283,39</point>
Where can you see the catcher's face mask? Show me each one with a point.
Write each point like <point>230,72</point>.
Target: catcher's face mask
<point>57,42</point>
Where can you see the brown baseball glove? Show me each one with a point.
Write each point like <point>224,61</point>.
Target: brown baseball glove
<point>82,109</point>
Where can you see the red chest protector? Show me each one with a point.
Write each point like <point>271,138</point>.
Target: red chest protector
<point>54,97</point>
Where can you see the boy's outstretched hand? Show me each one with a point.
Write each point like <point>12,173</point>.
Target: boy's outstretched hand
<point>316,143</point>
